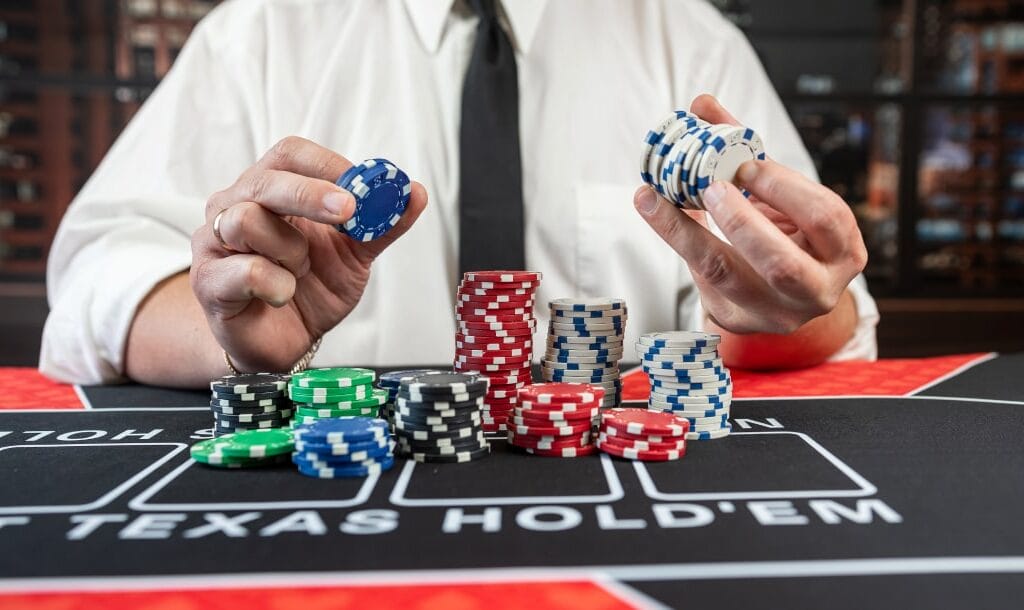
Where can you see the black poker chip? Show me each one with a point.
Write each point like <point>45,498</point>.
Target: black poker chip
<point>249,383</point>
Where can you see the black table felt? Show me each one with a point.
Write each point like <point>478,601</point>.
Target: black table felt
<point>827,502</point>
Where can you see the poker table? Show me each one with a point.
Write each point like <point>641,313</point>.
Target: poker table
<point>897,483</point>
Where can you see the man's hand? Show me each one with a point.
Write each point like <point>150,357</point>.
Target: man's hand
<point>795,245</point>
<point>287,276</point>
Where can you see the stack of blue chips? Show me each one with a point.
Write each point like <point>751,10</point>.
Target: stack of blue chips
<point>689,379</point>
<point>343,447</point>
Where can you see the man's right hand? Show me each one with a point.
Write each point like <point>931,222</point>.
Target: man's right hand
<point>286,275</point>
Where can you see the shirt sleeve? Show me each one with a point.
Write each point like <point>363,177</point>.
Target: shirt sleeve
<point>130,226</point>
<point>742,86</point>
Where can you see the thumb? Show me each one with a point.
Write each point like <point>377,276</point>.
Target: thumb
<point>707,107</point>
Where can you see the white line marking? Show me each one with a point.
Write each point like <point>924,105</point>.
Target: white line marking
<point>174,449</point>
<point>141,502</point>
<point>955,372</point>
<point>864,487</point>
<point>82,397</point>
<point>724,570</point>
<point>633,597</point>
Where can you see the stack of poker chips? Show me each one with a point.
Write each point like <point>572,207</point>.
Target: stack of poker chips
<point>688,379</point>
<point>584,344</point>
<point>641,434</point>
<point>683,155</point>
<point>335,392</point>
<point>343,447</point>
<point>391,382</point>
<point>495,322</point>
<point>249,402</point>
<point>555,419</point>
<point>438,420</point>
<point>245,449</point>
<point>381,191</point>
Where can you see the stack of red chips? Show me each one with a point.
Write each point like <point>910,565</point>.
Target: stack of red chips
<point>642,434</point>
<point>495,326</point>
<point>556,419</point>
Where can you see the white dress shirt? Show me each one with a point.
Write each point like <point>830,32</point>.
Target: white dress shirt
<point>383,78</point>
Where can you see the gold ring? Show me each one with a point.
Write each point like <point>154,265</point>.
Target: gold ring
<point>216,231</point>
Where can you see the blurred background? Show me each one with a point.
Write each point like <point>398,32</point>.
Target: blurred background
<point>912,109</point>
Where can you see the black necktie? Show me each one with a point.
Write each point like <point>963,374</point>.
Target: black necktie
<point>491,179</point>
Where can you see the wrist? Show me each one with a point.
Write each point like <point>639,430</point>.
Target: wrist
<point>300,365</point>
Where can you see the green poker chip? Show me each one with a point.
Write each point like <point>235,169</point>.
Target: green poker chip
<point>316,411</point>
<point>374,398</point>
<point>341,377</point>
<point>219,460</point>
<point>261,443</point>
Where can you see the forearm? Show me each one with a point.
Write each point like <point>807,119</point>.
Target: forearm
<point>809,345</point>
<point>170,343</point>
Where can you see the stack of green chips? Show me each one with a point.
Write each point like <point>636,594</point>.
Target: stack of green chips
<point>335,392</point>
<point>246,449</point>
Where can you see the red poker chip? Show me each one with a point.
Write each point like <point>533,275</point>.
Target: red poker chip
<point>517,325</point>
<point>492,309</point>
<point>496,353</point>
<point>533,442</point>
<point>477,342</point>
<point>548,429</point>
<point>564,407</point>
<point>496,317</point>
<point>557,392</point>
<point>515,289</point>
<point>502,275</point>
<point>495,334</point>
<point>523,376</point>
<point>519,361</point>
<point>626,436</point>
<point>510,300</point>
<point>511,390</point>
<point>557,416</point>
<point>564,452</point>
<point>629,443</point>
<point>640,454</point>
<point>494,427</point>
<point>495,370</point>
<point>531,286</point>
<point>581,425</point>
<point>644,421</point>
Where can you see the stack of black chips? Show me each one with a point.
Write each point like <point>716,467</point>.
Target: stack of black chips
<point>250,402</point>
<point>438,419</point>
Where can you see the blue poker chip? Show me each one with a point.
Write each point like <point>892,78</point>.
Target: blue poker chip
<point>342,448</point>
<point>381,191</point>
<point>354,457</point>
<point>317,470</point>
<point>342,430</point>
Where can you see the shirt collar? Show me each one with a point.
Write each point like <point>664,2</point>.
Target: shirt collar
<point>429,18</point>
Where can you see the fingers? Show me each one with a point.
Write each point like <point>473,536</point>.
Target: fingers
<point>226,286</point>
<point>417,203</point>
<point>301,156</point>
<point>823,216</point>
<point>773,255</point>
<point>707,107</point>
<point>707,256</point>
<point>251,228</point>
<point>287,194</point>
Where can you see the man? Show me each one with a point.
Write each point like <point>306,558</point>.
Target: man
<point>265,92</point>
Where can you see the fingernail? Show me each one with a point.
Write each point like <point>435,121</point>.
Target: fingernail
<point>336,202</point>
<point>713,195</point>
<point>647,202</point>
<point>747,172</point>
